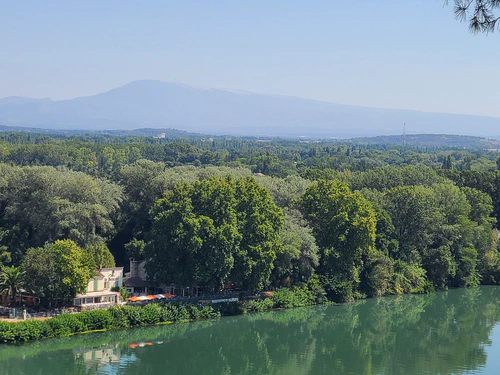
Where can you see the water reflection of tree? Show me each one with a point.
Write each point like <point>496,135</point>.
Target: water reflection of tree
<point>437,334</point>
<point>61,355</point>
<point>272,343</point>
<point>442,333</point>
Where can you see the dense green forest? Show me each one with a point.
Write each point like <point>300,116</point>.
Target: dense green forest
<point>346,219</point>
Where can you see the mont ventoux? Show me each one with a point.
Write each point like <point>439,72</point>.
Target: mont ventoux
<point>170,105</point>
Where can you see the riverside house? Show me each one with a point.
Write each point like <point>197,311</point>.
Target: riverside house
<point>99,293</point>
<point>135,281</point>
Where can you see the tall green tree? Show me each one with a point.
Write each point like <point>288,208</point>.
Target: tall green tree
<point>212,232</point>
<point>101,256</point>
<point>44,204</point>
<point>298,258</point>
<point>413,211</point>
<point>144,182</point>
<point>485,239</point>
<point>260,222</point>
<point>486,182</point>
<point>12,280</point>
<point>451,259</point>
<point>284,191</point>
<point>344,224</point>
<point>447,162</point>
<point>392,176</point>
<point>57,272</point>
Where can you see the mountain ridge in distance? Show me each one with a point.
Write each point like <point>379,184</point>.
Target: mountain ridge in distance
<point>156,104</point>
<point>167,135</point>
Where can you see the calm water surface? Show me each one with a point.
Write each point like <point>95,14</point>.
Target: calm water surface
<point>455,332</point>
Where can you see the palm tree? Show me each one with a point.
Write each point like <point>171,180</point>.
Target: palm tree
<point>11,281</point>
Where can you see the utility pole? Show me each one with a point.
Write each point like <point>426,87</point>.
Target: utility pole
<point>404,134</point>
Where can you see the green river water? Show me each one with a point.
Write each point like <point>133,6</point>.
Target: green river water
<point>454,332</point>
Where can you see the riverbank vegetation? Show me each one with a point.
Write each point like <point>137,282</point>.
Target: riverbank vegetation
<point>120,317</point>
<point>124,317</point>
<point>348,220</point>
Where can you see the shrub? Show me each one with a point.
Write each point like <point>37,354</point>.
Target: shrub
<point>408,277</point>
<point>426,288</point>
<point>64,325</point>
<point>27,331</point>
<point>150,314</point>
<point>343,291</point>
<point>6,334</point>
<point>315,286</point>
<point>179,313</point>
<point>167,313</point>
<point>194,312</point>
<point>96,320</point>
<point>296,297</point>
<point>208,312</point>
<point>283,298</point>
<point>133,315</point>
<point>119,316</point>
<point>260,305</point>
<point>20,332</point>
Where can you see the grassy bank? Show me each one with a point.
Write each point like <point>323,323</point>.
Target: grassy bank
<point>124,317</point>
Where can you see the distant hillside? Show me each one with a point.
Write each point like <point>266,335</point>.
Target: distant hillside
<point>146,132</point>
<point>438,140</point>
<point>26,129</point>
<point>154,104</point>
<point>435,140</point>
<point>150,132</point>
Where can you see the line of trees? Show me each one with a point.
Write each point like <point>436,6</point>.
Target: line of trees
<point>104,156</point>
<point>346,234</point>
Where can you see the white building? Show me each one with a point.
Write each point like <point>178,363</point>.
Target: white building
<point>99,292</point>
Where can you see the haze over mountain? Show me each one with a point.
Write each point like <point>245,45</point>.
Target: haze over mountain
<point>169,105</point>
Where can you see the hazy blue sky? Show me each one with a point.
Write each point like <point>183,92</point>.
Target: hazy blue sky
<point>408,54</point>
